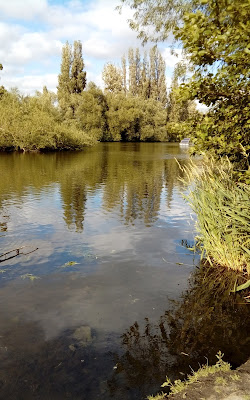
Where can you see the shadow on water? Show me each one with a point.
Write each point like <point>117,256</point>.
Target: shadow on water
<point>207,319</point>
<point>66,367</point>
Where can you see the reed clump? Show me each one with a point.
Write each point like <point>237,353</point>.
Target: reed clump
<point>222,206</point>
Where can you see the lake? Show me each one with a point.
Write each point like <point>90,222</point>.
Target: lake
<point>96,279</point>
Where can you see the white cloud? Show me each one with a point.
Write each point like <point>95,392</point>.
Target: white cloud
<point>28,84</point>
<point>35,47</point>
<point>23,9</point>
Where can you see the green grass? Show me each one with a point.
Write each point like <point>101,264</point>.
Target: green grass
<point>222,206</point>
<point>204,371</point>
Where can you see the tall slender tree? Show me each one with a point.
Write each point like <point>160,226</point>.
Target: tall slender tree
<point>132,72</point>
<point>158,89</point>
<point>64,85</point>
<point>124,74</point>
<point>72,78</point>
<point>145,81</point>
<point>77,73</point>
<point>113,79</point>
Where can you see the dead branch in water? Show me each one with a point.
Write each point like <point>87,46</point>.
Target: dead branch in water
<point>17,253</point>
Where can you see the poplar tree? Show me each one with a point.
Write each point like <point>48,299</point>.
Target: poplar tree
<point>132,72</point>
<point>124,74</point>
<point>138,71</point>
<point>158,89</point>
<point>145,82</point>
<point>64,85</point>
<point>72,79</point>
<point>112,78</point>
<point>77,74</point>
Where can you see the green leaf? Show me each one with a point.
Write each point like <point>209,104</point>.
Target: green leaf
<point>244,286</point>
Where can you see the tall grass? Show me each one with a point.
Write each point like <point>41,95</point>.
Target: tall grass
<point>222,206</point>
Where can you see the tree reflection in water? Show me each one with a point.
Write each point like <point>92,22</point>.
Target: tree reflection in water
<point>207,319</point>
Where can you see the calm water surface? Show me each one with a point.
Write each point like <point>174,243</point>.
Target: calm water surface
<point>103,237</point>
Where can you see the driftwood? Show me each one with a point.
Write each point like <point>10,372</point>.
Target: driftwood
<point>8,255</point>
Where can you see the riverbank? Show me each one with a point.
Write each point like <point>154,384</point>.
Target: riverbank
<point>221,385</point>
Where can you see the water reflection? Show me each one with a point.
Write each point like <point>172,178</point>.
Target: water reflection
<point>207,319</point>
<point>45,357</point>
<point>131,178</point>
<point>107,224</point>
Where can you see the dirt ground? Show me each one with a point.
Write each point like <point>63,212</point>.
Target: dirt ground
<point>231,385</point>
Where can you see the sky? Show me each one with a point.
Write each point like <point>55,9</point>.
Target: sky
<point>33,32</point>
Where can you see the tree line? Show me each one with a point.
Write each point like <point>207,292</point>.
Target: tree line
<point>215,38</point>
<point>134,106</point>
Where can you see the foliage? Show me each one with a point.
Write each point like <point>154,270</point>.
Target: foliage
<point>223,214</point>
<point>71,80</point>
<point>136,77</point>
<point>91,112</point>
<point>135,119</point>
<point>216,37</point>
<point>34,123</point>
<point>182,115</point>
<point>112,78</point>
<point>162,15</point>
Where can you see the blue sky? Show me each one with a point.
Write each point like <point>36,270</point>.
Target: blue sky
<point>32,33</point>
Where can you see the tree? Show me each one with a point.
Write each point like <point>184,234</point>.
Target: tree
<point>113,79</point>
<point>132,72</point>
<point>124,74</point>
<point>77,73</point>
<point>71,80</point>
<point>91,112</point>
<point>158,89</point>
<point>64,85</point>
<point>163,15</point>
<point>145,80</point>
<point>217,38</point>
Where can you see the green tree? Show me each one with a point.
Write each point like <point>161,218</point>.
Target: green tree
<point>158,89</point>
<point>217,38</point>
<point>112,78</point>
<point>91,112</point>
<point>124,74</point>
<point>77,73</point>
<point>163,15</point>
<point>71,80</point>
<point>145,80</point>
<point>64,84</point>
<point>132,72</point>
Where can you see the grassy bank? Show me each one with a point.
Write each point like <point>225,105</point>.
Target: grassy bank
<point>223,214</point>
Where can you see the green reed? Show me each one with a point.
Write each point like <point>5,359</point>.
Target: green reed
<point>222,206</point>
